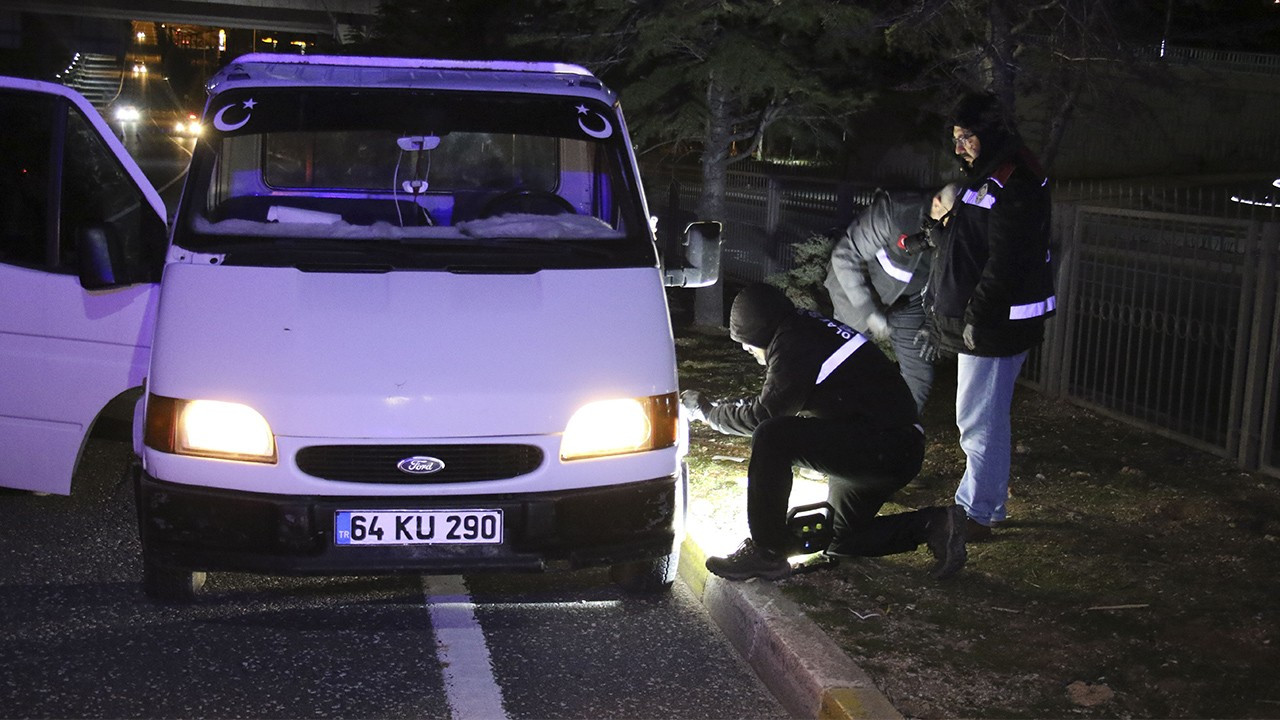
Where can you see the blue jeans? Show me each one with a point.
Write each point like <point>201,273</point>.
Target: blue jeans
<point>984,396</point>
<point>905,320</point>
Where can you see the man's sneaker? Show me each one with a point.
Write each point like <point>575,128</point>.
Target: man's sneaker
<point>946,542</point>
<point>750,561</point>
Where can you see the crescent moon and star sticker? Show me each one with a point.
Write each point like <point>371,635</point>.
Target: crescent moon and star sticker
<point>598,133</point>
<point>220,121</point>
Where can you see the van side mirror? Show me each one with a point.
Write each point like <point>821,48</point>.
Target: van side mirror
<point>108,255</point>
<point>98,259</point>
<point>700,265</point>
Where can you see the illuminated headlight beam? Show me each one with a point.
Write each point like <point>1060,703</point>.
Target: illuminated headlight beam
<point>619,426</point>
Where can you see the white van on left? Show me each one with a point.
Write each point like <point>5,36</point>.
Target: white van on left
<point>76,311</point>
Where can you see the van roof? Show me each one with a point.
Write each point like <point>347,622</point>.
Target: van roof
<point>267,69</point>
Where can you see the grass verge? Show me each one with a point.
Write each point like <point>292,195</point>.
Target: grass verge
<point>1135,577</point>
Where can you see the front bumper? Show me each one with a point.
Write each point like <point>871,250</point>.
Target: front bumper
<point>200,528</point>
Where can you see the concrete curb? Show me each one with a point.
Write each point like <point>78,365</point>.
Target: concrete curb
<point>803,668</point>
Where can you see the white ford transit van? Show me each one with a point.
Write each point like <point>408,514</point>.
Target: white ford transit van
<point>411,319</point>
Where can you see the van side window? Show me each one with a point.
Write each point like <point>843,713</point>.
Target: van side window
<point>97,191</point>
<point>25,144</point>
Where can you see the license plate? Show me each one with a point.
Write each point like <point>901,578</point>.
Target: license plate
<point>417,527</point>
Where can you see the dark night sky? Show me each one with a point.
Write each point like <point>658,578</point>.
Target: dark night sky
<point>1250,25</point>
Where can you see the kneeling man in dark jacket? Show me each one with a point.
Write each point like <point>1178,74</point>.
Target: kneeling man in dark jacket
<point>831,402</point>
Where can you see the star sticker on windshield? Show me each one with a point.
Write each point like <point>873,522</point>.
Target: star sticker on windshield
<point>582,109</point>
<point>248,104</point>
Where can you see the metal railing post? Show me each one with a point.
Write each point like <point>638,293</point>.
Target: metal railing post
<point>1260,401</point>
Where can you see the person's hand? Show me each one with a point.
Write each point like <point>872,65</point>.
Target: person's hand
<point>697,405</point>
<point>928,348</point>
<point>878,325</point>
<point>970,336</point>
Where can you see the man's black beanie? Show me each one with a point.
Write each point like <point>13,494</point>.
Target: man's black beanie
<point>756,314</point>
<point>980,114</point>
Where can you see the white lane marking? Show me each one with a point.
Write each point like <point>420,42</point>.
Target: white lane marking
<point>469,685</point>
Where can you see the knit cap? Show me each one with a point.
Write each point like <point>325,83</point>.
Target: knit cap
<point>756,314</point>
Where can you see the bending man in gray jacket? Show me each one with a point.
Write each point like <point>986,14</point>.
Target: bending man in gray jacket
<point>879,268</point>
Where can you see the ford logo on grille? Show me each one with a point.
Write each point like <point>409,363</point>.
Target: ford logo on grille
<point>420,465</point>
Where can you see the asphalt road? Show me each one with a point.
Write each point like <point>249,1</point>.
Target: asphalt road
<point>162,154</point>
<point>79,639</point>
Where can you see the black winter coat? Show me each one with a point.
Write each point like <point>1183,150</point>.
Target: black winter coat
<point>817,367</point>
<point>992,268</point>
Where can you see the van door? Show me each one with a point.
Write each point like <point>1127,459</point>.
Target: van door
<point>75,213</point>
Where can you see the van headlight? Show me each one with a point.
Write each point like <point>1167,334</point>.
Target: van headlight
<point>620,426</point>
<point>208,428</point>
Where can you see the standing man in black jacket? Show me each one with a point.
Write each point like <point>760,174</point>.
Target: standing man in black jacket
<point>878,272</point>
<point>831,402</point>
<point>991,290</point>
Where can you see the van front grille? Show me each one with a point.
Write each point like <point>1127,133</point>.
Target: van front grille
<point>418,464</point>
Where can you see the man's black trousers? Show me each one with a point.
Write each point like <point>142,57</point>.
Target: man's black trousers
<point>865,468</point>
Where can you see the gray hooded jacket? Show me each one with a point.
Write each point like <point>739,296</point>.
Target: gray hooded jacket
<point>869,270</point>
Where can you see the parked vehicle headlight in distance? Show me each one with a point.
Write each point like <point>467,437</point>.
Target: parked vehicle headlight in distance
<point>209,428</point>
<point>620,426</point>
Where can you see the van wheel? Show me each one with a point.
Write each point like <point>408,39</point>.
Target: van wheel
<point>646,577</point>
<point>170,585</point>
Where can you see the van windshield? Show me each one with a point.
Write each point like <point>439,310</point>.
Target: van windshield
<point>281,172</point>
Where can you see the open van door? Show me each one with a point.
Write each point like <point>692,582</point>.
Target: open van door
<point>82,239</point>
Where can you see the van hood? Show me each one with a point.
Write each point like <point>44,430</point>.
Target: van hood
<point>411,355</point>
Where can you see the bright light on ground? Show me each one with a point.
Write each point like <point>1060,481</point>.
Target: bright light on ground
<point>720,521</point>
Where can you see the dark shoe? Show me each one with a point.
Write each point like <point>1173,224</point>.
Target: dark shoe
<point>975,531</point>
<point>750,561</point>
<point>839,549</point>
<point>946,542</point>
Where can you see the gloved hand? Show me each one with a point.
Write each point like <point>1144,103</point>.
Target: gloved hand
<point>878,325</point>
<point>696,404</point>
<point>970,336</point>
<point>928,348</point>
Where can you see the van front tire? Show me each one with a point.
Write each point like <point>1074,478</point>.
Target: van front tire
<point>646,577</point>
<point>170,585</point>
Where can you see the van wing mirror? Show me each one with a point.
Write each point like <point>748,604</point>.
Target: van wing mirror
<point>98,258</point>
<point>106,260</point>
<point>700,264</point>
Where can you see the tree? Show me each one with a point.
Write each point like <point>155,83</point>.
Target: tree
<point>712,76</point>
<point>1040,58</point>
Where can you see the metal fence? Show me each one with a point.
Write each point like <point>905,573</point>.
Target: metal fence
<point>1168,297</point>
<point>766,215</point>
